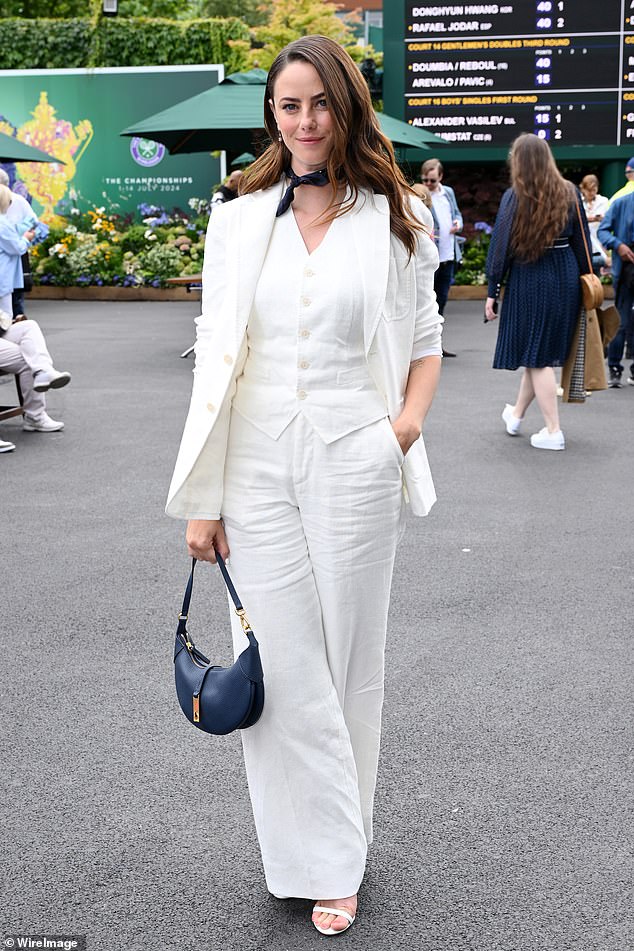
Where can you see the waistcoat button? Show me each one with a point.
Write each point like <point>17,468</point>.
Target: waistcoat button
<point>301,394</point>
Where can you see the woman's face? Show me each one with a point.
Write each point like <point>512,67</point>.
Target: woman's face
<point>589,189</point>
<point>303,117</point>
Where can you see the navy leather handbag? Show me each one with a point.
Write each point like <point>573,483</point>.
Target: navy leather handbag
<point>216,699</point>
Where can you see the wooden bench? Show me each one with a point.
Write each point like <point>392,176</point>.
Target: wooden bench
<point>7,412</point>
<point>193,282</point>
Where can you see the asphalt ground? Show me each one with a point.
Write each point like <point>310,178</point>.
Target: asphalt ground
<point>504,803</point>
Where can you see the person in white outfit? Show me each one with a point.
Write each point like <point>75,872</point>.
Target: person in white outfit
<point>317,357</point>
<point>595,207</point>
<point>23,350</point>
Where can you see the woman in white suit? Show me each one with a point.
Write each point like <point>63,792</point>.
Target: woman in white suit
<point>317,357</point>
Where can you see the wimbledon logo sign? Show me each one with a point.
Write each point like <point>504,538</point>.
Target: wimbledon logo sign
<point>146,153</point>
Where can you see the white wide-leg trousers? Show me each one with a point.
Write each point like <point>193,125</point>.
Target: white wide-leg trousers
<point>313,530</point>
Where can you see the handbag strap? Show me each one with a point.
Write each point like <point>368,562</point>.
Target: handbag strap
<point>583,234</point>
<point>184,615</point>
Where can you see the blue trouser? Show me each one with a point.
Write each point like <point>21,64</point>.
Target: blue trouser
<point>442,282</point>
<point>17,301</point>
<point>624,304</point>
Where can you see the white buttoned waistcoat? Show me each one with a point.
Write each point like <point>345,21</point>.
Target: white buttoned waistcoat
<point>305,337</point>
<point>400,318</point>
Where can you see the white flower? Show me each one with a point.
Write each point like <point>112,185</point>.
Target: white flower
<point>149,235</point>
<point>75,211</point>
<point>100,211</point>
<point>58,250</point>
<point>71,229</point>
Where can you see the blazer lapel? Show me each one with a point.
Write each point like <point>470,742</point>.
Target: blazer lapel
<point>250,243</point>
<point>371,224</point>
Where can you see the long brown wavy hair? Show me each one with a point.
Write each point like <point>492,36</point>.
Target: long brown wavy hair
<point>361,157</point>
<point>544,197</point>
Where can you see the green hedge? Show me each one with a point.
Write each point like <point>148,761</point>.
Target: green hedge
<point>72,44</point>
<point>45,44</point>
<point>145,42</point>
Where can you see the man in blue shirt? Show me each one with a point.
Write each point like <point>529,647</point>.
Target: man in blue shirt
<point>447,224</point>
<point>616,232</point>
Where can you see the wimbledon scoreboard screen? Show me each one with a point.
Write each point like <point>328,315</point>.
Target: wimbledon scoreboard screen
<point>481,73</point>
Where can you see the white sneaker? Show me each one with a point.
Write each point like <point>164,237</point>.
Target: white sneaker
<point>545,440</point>
<point>6,446</point>
<point>50,380</point>
<point>513,422</point>
<point>41,424</point>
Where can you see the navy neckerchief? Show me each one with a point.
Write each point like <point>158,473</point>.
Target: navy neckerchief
<point>313,178</point>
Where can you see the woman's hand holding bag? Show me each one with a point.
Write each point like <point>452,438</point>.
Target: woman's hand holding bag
<point>218,700</point>
<point>205,538</point>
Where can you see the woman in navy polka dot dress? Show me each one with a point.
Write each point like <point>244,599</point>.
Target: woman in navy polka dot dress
<point>537,244</point>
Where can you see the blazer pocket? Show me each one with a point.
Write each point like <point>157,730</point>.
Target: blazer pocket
<point>391,435</point>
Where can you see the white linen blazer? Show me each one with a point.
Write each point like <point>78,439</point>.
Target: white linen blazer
<point>400,306</point>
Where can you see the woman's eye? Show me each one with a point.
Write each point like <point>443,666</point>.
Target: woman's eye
<point>289,106</point>
<point>322,104</point>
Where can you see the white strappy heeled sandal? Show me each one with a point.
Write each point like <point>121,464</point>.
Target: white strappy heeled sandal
<point>334,911</point>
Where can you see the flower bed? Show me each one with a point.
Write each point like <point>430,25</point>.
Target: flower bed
<point>100,249</point>
<point>97,248</point>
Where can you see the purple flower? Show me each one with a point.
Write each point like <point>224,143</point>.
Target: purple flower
<point>483,226</point>
<point>146,211</point>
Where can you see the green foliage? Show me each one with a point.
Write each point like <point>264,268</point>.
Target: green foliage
<point>134,239</point>
<point>472,266</point>
<point>45,44</point>
<point>30,9</point>
<point>290,19</point>
<point>67,44</point>
<point>172,9</point>
<point>252,12</point>
<point>160,262</point>
<point>140,42</point>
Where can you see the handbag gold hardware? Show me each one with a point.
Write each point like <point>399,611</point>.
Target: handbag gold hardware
<point>244,621</point>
